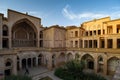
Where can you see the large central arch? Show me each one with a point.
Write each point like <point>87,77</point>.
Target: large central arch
<point>24,34</point>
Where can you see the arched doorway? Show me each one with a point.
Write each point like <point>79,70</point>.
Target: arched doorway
<point>69,56</point>
<point>40,59</point>
<point>8,67</point>
<point>61,59</point>
<point>53,61</point>
<point>89,61</point>
<point>112,64</point>
<point>24,34</point>
<point>24,63</point>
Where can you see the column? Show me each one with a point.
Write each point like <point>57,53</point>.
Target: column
<point>20,64</point>
<point>105,66</point>
<point>78,46</point>
<point>101,29</point>
<point>2,67</point>
<point>106,42</point>
<point>105,25</point>
<point>95,64</point>
<point>93,44</point>
<point>14,67</point>
<point>97,32</point>
<point>98,43</point>
<point>114,43</point>
<point>114,27</point>
<point>49,66</point>
<point>38,40</point>
<point>36,61</point>
<point>87,43</point>
<point>83,44</point>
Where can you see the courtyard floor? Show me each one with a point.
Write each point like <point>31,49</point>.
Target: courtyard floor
<point>39,72</point>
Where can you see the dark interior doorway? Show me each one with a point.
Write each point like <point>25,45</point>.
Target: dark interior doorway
<point>90,64</point>
<point>7,72</point>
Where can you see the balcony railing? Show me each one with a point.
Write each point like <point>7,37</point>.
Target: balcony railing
<point>23,43</point>
<point>102,50</point>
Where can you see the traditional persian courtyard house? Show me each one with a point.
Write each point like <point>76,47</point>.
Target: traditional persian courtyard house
<point>24,42</point>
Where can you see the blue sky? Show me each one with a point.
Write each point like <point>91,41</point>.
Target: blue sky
<point>64,12</point>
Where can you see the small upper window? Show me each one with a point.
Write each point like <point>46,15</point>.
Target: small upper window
<point>5,30</point>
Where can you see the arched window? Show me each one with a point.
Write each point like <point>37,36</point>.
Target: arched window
<point>8,64</point>
<point>5,30</point>
<point>100,58</point>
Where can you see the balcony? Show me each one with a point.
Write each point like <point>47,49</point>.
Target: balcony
<point>97,50</point>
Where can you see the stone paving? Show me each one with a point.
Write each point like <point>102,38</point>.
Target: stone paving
<point>39,72</point>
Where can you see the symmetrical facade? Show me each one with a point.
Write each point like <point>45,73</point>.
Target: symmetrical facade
<point>24,42</point>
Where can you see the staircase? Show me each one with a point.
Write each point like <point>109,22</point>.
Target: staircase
<point>117,73</point>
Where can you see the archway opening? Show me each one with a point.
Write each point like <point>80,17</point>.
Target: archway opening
<point>53,61</point>
<point>89,61</point>
<point>61,59</point>
<point>69,56</point>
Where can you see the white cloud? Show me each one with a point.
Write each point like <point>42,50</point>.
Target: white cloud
<point>68,13</point>
<point>3,11</point>
<point>89,15</point>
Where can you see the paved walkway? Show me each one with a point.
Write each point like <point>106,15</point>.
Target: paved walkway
<point>39,72</point>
